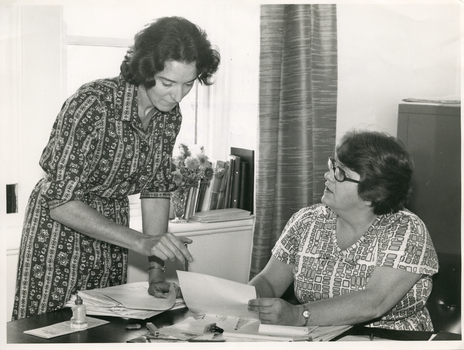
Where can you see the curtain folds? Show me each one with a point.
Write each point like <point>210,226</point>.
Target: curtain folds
<point>297,116</point>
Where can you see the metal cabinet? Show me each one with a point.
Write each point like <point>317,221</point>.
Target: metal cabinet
<point>432,134</point>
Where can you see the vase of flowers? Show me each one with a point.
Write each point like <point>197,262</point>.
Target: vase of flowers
<point>190,168</point>
<point>179,201</point>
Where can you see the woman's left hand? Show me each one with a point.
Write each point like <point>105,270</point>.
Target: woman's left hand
<point>274,311</point>
<point>161,289</point>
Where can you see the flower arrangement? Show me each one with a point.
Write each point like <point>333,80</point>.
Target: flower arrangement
<point>190,167</point>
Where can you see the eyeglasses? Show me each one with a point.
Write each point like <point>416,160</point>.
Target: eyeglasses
<point>339,173</point>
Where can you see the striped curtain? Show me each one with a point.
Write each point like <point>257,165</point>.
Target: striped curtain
<point>297,116</point>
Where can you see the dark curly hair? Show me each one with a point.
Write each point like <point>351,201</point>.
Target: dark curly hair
<point>385,167</point>
<point>166,39</point>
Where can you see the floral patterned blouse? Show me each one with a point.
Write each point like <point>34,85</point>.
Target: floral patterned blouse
<point>98,153</point>
<point>322,270</point>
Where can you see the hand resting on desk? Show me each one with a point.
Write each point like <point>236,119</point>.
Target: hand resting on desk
<point>162,289</point>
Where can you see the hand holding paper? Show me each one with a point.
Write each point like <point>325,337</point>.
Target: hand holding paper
<point>205,294</point>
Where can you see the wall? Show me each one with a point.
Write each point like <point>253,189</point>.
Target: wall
<point>33,77</point>
<point>389,52</point>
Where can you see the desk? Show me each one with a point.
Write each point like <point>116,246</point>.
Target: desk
<point>115,331</point>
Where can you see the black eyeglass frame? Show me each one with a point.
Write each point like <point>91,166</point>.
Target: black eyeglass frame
<point>331,165</point>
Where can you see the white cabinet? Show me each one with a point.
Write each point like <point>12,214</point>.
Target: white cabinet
<point>219,249</point>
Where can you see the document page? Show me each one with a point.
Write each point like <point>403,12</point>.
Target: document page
<point>133,296</point>
<point>211,295</point>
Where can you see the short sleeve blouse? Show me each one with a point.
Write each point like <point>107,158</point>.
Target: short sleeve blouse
<point>322,270</point>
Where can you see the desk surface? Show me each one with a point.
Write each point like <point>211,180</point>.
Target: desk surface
<point>113,332</point>
<point>116,332</point>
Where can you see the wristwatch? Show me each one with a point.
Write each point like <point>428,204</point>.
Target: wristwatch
<point>306,314</point>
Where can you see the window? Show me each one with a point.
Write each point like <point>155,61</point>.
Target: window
<point>85,63</point>
<point>217,117</point>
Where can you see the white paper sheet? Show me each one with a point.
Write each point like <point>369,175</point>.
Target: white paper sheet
<point>62,328</point>
<point>205,294</point>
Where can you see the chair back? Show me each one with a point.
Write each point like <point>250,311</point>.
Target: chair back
<point>444,303</point>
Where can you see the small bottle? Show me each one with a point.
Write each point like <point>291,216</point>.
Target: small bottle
<point>79,319</point>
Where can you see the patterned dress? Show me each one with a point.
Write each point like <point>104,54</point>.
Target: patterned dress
<point>322,270</point>
<point>98,153</point>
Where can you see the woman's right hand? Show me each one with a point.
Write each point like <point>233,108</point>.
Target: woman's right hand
<point>161,289</point>
<point>167,247</point>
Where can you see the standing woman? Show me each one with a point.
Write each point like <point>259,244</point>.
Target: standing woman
<point>113,138</point>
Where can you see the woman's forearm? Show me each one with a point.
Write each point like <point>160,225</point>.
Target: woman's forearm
<point>386,287</point>
<point>82,218</point>
<point>351,308</point>
<point>155,220</point>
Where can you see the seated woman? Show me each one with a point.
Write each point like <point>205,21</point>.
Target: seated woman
<point>359,257</point>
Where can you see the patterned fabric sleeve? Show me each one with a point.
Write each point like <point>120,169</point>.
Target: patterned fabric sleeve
<point>406,244</point>
<point>162,184</point>
<point>71,145</point>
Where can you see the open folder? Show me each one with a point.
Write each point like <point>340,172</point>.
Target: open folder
<point>127,300</point>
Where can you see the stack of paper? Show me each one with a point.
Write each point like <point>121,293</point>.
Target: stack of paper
<point>315,333</point>
<point>447,100</point>
<point>218,215</point>
<point>127,300</point>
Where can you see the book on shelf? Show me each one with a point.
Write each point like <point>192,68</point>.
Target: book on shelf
<point>244,185</point>
<point>212,199</point>
<point>192,199</point>
<point>232,185</point>
<point>235,182</point>
<point>205,205</point>
<point>204,184</point>
<point>223,187</point>
<point>247,177</point>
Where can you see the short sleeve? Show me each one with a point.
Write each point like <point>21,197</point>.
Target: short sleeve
<point>286,247</point>
<point>406,244</point>
<point>68,155</point>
